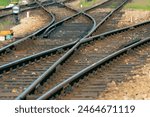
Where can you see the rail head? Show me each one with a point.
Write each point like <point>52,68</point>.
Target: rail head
<point>28,59</point>
<point>7,66</point>
<point>29,6</point>
<point>78,12</point>
<point>108,16</point>
<point>87,70</point>
<point>58,23</point>
<point>53,67</point>
<point>101,36</point>
<point>10,46</point>
<point>60,61</point>
<point>48,27</point>
<point>78,75</point>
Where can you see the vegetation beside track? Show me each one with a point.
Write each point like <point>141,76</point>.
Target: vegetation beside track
<point>86,3</point>
<point>7,2</point>
<point>139,4</point>
<point>134,4</point>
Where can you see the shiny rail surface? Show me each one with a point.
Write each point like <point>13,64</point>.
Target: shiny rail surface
<point>90,86</point>
<point>47,88</point>
<point>72,28</point>
<point>88,54</point>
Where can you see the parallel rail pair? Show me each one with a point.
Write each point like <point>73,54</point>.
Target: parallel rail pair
<point>69,54</point>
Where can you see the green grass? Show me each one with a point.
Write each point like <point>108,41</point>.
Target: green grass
<point>6,2</point>
<point>135,4</point>
<point>139,5</point>
<point>4,24</point>
<point>90,3</point>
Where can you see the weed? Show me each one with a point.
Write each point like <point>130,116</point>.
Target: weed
<point>139,4</point>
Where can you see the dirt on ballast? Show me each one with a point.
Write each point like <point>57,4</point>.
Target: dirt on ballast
<point>136,88</point>
<point>76,4</point>
<point>29,25</point>
<point>36,20</point>
<point>131,17</point>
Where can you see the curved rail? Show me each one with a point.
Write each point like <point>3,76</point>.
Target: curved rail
<point>107,17</point>
<point>14,64</point>
<point>39,56</point>
<point>52,68</point>
<point>37,33</point>
<point>25,7</point>
<point>10,46</point>
<point>79,74</point>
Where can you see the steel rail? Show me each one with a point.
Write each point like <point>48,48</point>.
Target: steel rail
<point>52,68</point>
<point>58,23</point>
<point>108,16</point>
<point>90,68</point>
<point>25,9</point>
<point>101,36</point>
<point>79,12</point>
<point>10,46</point>
<point>100,23</point>
<point>86,40</point>
<point>7,67</point>
<point>33,4</point>
<point>39,32</point>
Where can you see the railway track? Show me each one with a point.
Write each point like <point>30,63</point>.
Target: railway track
<point>115,22</point>
<point>47,20</point>
<point>88,54</point>
<point>52,65</point>
<point>92,85</point>
<point>68,32</point>
<point>49,8</point>
<point>51,31</point>
<point>8,11</point>
<point>6,94</point>
<point>32,72</point>
<point>55,42</point>
<point>11,84</point>
<point>104,14</point>
<point>101,11</point>
<point>70,26</point>
<point>90,82</point>
<point>7,21</point>
<point>60,11</point>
